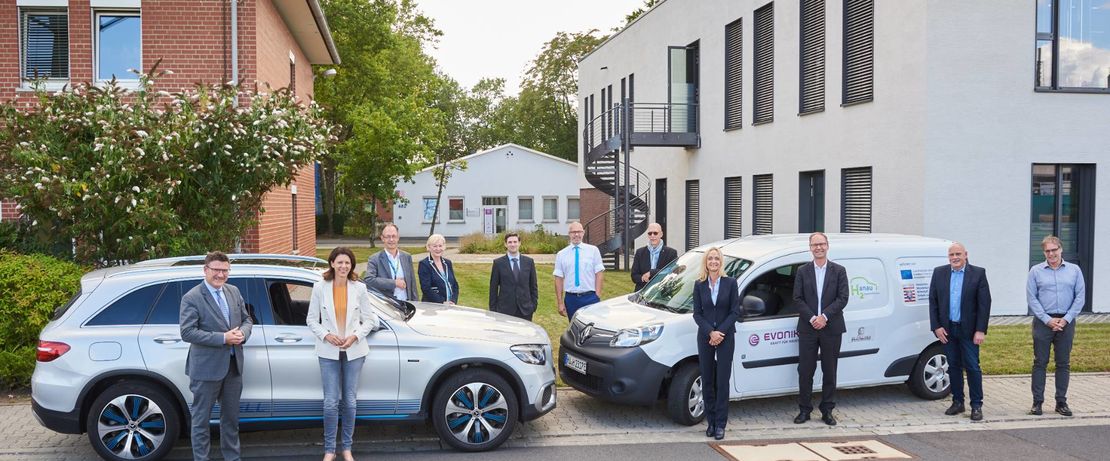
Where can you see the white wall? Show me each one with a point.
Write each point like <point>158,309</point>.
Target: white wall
<point>508,171</point>
<point>951,134</point>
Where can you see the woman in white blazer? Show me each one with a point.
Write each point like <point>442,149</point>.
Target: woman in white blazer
<point>340,345</point>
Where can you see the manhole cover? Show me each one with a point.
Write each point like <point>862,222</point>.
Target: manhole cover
<point>854,450</point>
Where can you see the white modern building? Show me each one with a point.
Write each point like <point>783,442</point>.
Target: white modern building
<point>509,187</point>
<point>986,122</point>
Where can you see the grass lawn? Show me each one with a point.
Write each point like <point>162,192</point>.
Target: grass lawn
<point>362,253</point>
<point>1009,350</point>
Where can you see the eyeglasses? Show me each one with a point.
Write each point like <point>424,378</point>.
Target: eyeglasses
<point>818,245</point>
<point>654,233</point>
<point>1051,250</point>
<point>218,271</point>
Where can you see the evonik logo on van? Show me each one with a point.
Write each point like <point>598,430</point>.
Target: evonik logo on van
<point>861,287</point>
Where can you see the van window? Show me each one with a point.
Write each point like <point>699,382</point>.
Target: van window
<point>867,283</point>
<point>128,310</point>
<point>774,290</point>
<point>673,287</point>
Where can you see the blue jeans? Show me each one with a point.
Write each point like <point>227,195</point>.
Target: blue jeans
<point>576,301</point>
<point>963,355</point>
<point>340,374</point>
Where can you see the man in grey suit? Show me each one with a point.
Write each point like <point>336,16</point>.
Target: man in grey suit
<point>390,271</point>
<point>512,282</point>
<point>215,322</point>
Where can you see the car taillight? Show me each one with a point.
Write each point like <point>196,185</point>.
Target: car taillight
<point>50,350</point>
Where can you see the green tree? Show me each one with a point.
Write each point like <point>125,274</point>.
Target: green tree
<point>133,175</point>
<point>636,13</point>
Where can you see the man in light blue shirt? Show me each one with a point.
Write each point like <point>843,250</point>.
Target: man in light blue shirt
<point>1056,294</point>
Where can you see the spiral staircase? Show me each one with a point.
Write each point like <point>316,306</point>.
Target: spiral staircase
<point>608,140</point>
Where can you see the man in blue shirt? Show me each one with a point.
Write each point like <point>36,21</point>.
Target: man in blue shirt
<point>1056,294</point>
<point>959,309</point>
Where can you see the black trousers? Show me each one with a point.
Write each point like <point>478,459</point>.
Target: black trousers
<point>716,369</point>
<point>810,346</point>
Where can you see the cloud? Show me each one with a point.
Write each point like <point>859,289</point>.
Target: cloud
<point>1083,65</point>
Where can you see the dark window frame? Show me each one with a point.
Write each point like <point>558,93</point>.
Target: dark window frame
<point>811,80</point>
<point>763,65</point>
<point>757,181</point>
<point>844,177</point>
<point>693,214</point>
<point>734,75</point>
<point>847,44</point>
<point>1054,65</point>
<point>734,207</point>
<point>24,42</point>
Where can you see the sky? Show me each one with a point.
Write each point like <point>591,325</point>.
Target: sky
<point>498,38</point>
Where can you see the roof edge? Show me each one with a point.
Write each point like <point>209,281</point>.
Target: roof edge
<point>325,31</point>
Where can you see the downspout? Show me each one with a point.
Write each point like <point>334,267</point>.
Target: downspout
<point>235,79</point>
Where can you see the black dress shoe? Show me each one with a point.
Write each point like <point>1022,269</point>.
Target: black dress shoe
<point>709,431</point>
<point>1062,408</point>
<point>955,409</point>
<point>719,433</point>
<point>828,418</point>
<point>1036,410</point>
<point>801,418</point>
<point>976,413</point>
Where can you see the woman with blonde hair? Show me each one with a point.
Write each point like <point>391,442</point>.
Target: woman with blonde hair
<point>339,315</point>
<point>716,310</point>
<point>437,276</point>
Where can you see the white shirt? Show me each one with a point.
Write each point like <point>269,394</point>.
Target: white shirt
<point>589,264</point>
<point>819,271</point>
<point>398,271</point>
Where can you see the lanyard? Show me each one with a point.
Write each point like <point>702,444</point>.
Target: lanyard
<point>395,264</point>
<point>445,275</point>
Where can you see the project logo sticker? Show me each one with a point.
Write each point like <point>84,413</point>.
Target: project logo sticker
<point>753,340</point>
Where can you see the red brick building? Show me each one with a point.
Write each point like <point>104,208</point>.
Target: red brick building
<point>274,42</point>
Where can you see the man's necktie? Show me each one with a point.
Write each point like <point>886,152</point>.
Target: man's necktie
<point>576,281</point>
<point>223,306</point>
<point>516,269</point>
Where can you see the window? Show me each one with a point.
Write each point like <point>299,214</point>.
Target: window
<point>430,206</point>
<point>763,84</point>
<point>550,209</point>
<point>524,209</point>
<point>855,198</point>
<point>289,300</point>
<point>762,200</point>
<point>812,87</point>
<point>118,45</point>
<point>292,74</point>
<point>128,310</point>
<point>495,201</point>
<point>456,212</point>
<point>774,291</point>
<point>168,309</point>
<point>859,51</point>
<point>1073,45</point>
<point>693,214</point>
<point>733,212</point>
<point>44,44</point>
<point>734,74</point>
<point>572,208</point>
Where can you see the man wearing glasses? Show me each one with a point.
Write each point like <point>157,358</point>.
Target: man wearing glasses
<point>821,293</point>
<point>578,273</point>
<point>1055,293</point>
<point>215,322</point>
<point>649,259</point>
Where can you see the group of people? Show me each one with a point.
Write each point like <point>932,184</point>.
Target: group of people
<point>215,322</point>
<point>959,312</point>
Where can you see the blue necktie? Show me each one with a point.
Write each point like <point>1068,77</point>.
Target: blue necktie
<point>576,265</point>
<point>223,306</point>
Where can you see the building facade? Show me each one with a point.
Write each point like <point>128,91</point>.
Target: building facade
<point>506,188</point>
<point>269,42</point>
<point>983,122</point>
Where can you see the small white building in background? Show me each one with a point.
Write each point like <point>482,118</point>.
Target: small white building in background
<point>509,187</point>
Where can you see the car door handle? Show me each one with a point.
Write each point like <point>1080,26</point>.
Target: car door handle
<point>287,338</point>
<point>167,340</point>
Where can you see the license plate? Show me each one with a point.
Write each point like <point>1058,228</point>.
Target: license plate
<point>575,363</point>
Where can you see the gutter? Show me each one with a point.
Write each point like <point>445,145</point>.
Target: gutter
<point>322,25</point>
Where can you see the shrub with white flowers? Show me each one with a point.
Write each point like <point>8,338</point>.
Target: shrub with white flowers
<point>136,174</point>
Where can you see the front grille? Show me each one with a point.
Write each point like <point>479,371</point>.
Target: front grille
<point>597,336</point>
<point>581,381</point>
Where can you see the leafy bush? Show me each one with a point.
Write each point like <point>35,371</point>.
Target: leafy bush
<point>33,286</point>
<point>535,242</point>
<point>130,175</point>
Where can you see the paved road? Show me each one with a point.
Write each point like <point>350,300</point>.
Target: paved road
<point>582,421</point>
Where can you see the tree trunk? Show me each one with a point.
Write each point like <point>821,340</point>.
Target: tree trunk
<point>327,192</point>
<point>439,196</point>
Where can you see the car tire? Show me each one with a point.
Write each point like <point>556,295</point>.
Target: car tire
<point>133,420</point>
<point>929,379</point>
<point>475,410</point>
<point>684,396</point>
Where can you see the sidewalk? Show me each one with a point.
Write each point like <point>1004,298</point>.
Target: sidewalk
<point>582,420</point>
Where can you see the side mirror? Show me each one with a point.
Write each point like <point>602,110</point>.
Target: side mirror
<point>753,306</point>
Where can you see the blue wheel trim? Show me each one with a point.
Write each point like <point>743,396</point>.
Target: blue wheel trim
<point>111,414</point>
<point>494,417</point>
<point>485,399</point>
<point>111,445</point>
<point>140,446</point>
<point>153,425</point>
<point>458,421</point>
<point>461,396</point>
<point>477,433</point>
<point>135,403</point>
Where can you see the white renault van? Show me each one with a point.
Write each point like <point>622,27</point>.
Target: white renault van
<point>639,348</point>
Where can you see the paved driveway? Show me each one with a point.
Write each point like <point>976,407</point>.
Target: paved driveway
<point>581,420</point>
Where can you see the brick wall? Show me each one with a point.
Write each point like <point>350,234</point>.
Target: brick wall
<point>592,203</point>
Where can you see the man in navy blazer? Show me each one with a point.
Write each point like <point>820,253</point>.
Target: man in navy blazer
<point>959,309</point>
<point>512,282</point>
<point>820,292</point>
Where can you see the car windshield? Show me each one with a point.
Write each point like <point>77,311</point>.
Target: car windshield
<point>671,288</point>
<point>398,310</point>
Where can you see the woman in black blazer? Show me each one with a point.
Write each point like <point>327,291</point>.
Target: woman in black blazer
<point>716,310</point>
<point>437,277</point>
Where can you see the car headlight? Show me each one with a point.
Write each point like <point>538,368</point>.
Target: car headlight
<point>535,354</point>
<point>632,337</point>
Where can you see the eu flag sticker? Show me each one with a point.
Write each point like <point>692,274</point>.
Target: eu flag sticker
<point>907,274</point>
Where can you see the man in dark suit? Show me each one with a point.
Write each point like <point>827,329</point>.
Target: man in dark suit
<point>512,282</point>
<point>820,292</point>
<point>215,322</point>
<point>649,259</point>
<point>959,309</point>
<point>389,271</point>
